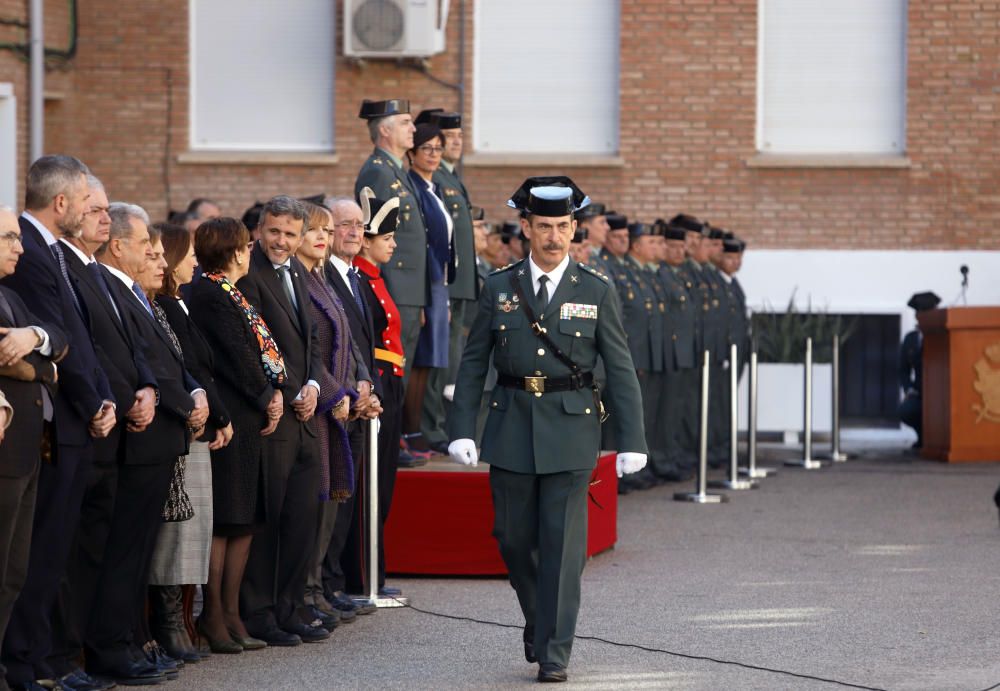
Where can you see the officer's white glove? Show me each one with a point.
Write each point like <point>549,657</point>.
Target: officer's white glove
<point>627,462</point>
<point>464,451</point>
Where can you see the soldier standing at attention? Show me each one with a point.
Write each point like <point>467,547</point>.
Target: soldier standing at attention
<point>462,289</point>
<point>545,321</point>
<point>391,129</point>
<point>739,325</point>
<point>677,419</point>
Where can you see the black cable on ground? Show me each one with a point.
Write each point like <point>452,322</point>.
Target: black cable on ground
<point>704,658</point>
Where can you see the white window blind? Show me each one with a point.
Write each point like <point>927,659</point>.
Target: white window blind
<point>546,76</point>
<point>262,75</point>
<point>832,76</point>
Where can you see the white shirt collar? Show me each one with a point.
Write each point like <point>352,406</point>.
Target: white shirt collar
<point>342,268</point>
<point>554,276</point>
<point>288,263</point>
<point>76,250</point>
<point>726,277</point>
<point>450,167</point>
<point>121,275</point>
<point>50,239</point>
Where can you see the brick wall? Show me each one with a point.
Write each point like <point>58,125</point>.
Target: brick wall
<point>688,90</point>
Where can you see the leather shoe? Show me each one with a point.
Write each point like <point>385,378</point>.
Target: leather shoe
<point>355,606</point>
<point>389,591</point>
<point>408,460</point>
<point>348,612</point>
<point>135,673</point>
<point>224,646</point>
<point>45,685</point>
<point>529,644</point>
<point>550,672</point>
<point>167,665</point>
<point>276,637</point>
<point>307,632</point>
<point>325,620</point>
<point>248,643</point>
<point>78,680</point>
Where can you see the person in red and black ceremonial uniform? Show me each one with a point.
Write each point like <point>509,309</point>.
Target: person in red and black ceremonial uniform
<point>377,245</point>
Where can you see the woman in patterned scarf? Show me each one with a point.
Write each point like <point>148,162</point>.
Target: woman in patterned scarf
<point>250,373</point>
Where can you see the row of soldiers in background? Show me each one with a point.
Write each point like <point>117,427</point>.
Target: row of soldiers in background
<point>679,297</point>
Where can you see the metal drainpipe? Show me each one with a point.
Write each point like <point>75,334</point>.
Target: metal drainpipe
<point>36,100</point>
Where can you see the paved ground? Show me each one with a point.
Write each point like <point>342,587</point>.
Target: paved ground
<point>882,572</point>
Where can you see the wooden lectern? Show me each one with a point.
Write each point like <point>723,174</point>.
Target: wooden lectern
<point>961,387</point>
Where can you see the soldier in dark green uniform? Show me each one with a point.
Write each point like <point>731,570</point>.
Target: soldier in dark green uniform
<point>718,324</point>
<point>462,290</point>
<point>542,437</point>
<point>642,314</point>
<point>739,321</point>
<point>677,415</point>
<point>391,129</point>
<point>592,221</point>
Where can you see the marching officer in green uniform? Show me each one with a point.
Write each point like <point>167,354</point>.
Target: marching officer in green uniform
<point>391,129</point>
<point>545,320</point>
<point>462,290</point>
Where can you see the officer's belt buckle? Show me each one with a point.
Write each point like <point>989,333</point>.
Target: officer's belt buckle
<point>534,384</point>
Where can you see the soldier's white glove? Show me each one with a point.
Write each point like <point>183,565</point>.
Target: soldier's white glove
<point>464,451</point>
<point>627,462</point>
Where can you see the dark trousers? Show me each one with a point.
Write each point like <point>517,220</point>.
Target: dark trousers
<point>17,508</point>
<point>651,389</point>
<point>344,557</point>
<point>432,423</point>
<point>60,492</point>
<point>280,553</point>
<point>78,591</point>
<point>718,414</point>
<point>388,455</point>
<point>138,514</point>
<point>672,423</point>
<point>911,413</point>
<point>541,526</point>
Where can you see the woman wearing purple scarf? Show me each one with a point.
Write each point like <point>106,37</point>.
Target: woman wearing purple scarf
<point>338,384</point>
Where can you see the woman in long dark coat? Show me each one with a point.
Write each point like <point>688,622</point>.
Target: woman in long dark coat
<point>250,372</point>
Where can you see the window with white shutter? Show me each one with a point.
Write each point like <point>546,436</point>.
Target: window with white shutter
<point>262,75</point>
<point>546,76</point>
<point>831,77</point>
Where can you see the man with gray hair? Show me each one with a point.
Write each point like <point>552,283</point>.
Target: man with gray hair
<point>83,409</point>
<point>391,128</point>
<point>148,465</point>
<point>280,554</point>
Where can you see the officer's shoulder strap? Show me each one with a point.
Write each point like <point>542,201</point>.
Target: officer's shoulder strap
<point>503,269</point>
<point>593,272</point>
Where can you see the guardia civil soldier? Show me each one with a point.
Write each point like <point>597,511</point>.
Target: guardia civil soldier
<point>642,316</point>
<point>545,320</point>
<point>593,222</point>
<point>676,417</point>
<point>739,321</point>
<point>462,290</point>
<point>612,254</point>
<point>391,129</point>
<point>718,321</point>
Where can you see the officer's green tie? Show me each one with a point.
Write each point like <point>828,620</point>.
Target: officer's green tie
<point>543,292</point>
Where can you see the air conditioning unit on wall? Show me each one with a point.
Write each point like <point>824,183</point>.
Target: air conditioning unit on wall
<point>394,28</point>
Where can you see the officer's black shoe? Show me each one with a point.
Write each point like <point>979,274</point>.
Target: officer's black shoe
<point>529,644</point>
<point>550,672</point>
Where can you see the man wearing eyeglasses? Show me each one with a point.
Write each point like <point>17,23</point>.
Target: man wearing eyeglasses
<point>391,129</point>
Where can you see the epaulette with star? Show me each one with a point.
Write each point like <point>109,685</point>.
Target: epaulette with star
<point>592,271</point>
<point>506,268</point>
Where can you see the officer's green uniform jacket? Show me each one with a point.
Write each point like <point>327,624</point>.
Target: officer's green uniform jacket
<point>406,273</point>
<point>456,200</point>
<point>680,320</point>
<point>557,431</point>
<point>641,316</point>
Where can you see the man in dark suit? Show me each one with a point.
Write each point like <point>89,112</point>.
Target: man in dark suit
<point>149,457</point>
<point>132,381</point>
<point>911,369</point>
<point>27,354</point>
<point>345,563</point>
<point>274,584</point>
<point>83,409</point>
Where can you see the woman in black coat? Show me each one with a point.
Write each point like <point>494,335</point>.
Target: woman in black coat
<point>181,557</point>
<point>249,374</point>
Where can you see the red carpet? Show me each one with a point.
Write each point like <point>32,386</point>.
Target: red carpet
<point>441,521</point>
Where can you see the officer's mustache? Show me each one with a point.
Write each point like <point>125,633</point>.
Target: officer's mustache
<point>552,247</point>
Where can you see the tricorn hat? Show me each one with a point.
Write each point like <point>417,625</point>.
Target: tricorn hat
<point>380,217</point>
<point>715,233</point>
<point>592,210</point>
<point>638,229</point>
<point>616,220</point>
<point>380,109</point>
<point>688,223</point>
<point>922,302</point>
<point>425,132</point>
<point>732,245</point>
<point>554,195</point>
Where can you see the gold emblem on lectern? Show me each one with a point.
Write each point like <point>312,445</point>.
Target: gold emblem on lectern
<point>988,385</point>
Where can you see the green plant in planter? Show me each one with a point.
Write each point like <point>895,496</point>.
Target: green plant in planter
<point>781,335</point>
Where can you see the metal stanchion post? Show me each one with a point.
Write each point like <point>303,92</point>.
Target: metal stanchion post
<point>373,523</point>
<point>734,482</point>
<point>752,470</point>
<point>700,496</point>
<point>807,461</point>
<point>835,454</point>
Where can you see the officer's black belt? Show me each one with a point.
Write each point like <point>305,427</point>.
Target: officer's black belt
<point>547,384</point>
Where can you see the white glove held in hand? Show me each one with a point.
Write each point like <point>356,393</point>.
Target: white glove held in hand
<point>464,451</point>
<point>626,463</point>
